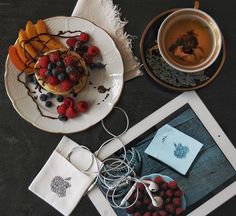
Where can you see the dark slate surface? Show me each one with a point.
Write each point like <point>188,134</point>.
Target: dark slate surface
<point>24,149</point>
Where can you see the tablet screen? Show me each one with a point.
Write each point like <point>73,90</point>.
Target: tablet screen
<point>207,173</point>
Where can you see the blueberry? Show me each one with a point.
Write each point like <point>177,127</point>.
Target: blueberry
<point>54,71</point>
<point>93,65</point>
<point>43,97</point>
<point>48,73</point>
<point>69,69</point>
<point>30,78</point>
<point>51,66</point>
<point>62,118</point>
<point>48,104</point>
<point>61,76</point>
<point>83,49</point>
<point>60,63</point>
<point>50,95</point>
<point>60,98</point>
<point>35,81</point>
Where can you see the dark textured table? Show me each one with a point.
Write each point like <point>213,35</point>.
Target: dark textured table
<point>24,149</point>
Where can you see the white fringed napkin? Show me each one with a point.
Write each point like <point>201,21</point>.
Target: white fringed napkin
<point>106,15</point>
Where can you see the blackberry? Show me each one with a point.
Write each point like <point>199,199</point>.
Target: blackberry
<point>60,63</point>
<point>61,76</point>
<point>43,97</point>
<point>48,104</point>
<point>69,69</point>
<point>54,72</point>
<point>62,118</point>
<point>48,73</point>
<point>60,98</point>
<point>51,66</point>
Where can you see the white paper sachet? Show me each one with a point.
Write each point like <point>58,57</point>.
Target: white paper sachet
<point>60,183</point>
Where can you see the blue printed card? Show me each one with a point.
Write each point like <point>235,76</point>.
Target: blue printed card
<point>174,148</point>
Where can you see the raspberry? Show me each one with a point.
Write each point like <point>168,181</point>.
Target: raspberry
<point>82,106</point>
<point>93,51</point>
<point>162,194</point>
<point>158,180</point>
<point>130,210</point>
<point>163,213</point>
<point>68,60</point>
<point>151,207</point>
<point>138,204</point>
<point>74,76</point>
<point>42,73</point>
<point>146,201</point>
<point>71,42</point>
<point>155,214</point>
<point>137,214</point>
<point>179,211</point>
<point>65,85</point>
<point>176,201</point>
<point>61,110</point>
<point>170,208</point>
<point>178,193</point>
<point>164,186</point>
<point>168,200</point>
<point>54,57</point>
<point>172,185</point>
<point>52,80</point>
<point>68,101</point>
<point>169,193</point>
<point>71,113</point>
<point>140,196</point>
<point>147,214</point>
<point>83,37</point>
<point>43,61</point>
<point>140,186</point>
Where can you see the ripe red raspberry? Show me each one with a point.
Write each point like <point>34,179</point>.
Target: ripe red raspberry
<point>172,185</point>
<point>176,201</point>
<point>164,186</point>
<point>179,211</point>
<point>140,186</point>
<point>146,201</point>
<point>168,200</point>
<point>42,73</point>
<point>138,204</point>
<point>68,101</point>
<point>74,76</point>
<point>71,41</point>
<point>52,80</point>
<point>83,37</point>
<point>69,60</point>
<point>170,208</point>
<point>162,194</point>
<point>93,51</point>
<point>61,110</point>
<point>169,193</point>
<point>137,214</point>
<point>65,85</point>
<point>163,213</point>
<point>43,61</point>
<point>178,193</point>
<point>151,207</point>
<point>147,214</point>
<point>71,112</point>
<point>54,57</point>
<point>140,196</point>
<point>155,214</point>
<point>82,106</point>
<point>158,180</point>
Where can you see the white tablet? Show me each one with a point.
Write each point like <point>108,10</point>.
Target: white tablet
<point>210,178</point>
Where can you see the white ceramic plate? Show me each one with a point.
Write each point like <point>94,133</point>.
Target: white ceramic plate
<point>99,104</point>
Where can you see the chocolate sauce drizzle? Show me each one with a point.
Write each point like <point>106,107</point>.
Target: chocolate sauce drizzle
<point>102,89</point>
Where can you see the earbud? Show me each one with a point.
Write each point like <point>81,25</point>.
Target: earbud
<point>153,187</point>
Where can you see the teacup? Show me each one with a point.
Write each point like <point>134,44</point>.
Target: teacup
<point>189,39</point>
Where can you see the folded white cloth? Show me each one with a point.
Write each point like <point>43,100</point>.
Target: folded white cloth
<point>106,15</point>
<point>60,182</point>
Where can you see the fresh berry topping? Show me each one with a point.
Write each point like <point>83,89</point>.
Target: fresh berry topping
<point>60,98</point>
<point>139,186</point>
<point>71,112</point>
<point>130,210</point>
<point>50,95</point>
<point>178,193</point>
<point>138,204</point>
<point>172,185</point>
<point>51,66</point>
<point>54,57</point>
<point>71,42</point>
<point>69,60</point>
<point>54,72</point>
<point>68,101</point>
<point>52,80</point>
<point>43,61</point>
<point>61,76</point>
<point>88,59</point>
<point>82,106</point>
<point>158,180</point>
<point>147,214</point>
<point>137,214</point>
<point>170,208</point>
<point>163,213</point>
<point>42,73</point>
<point>168,200</point>
<point>140,196</point>
<point>43,97</point>
<point>62,118</point>
<point>60,63</point>
<point>66,85</point>
<point>151,207</point>
<point>93,51</point>
<point>48,104</point>
<point>74,76</point>
<point>146,201</point>
<point>155,214</point>
<point>176,201</point>
<point>162,194</point>
<point>179,211</point>
<point>169,193</point>
<point>164,186</point>
<point>48,73</point>
<point>83,37</point>
<point>70,68</point>
<point>61,110</point>
<point>83,49</point>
